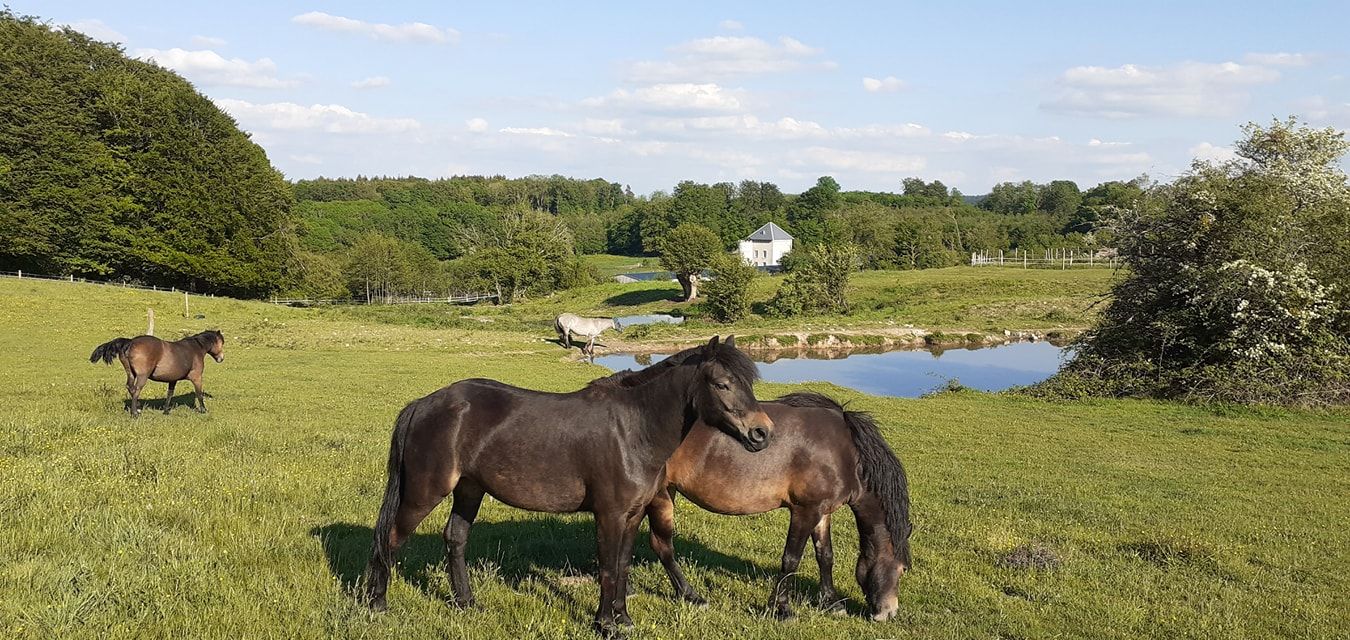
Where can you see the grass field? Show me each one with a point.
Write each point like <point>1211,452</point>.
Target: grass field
<point>958,299</point>
<point>254,520</point>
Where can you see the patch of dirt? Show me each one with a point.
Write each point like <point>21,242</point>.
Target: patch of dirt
<point>1033,556</point>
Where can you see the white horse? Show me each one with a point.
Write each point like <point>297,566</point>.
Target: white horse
<point>569,324</point>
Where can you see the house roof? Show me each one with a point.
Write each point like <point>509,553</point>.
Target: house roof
<point>769,232</point>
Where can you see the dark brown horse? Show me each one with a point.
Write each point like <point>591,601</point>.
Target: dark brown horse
<point>823,457</point>
<point>599,449</point>
<point>149,358</point>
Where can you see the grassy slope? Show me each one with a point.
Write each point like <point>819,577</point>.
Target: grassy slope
<point>248,522</point>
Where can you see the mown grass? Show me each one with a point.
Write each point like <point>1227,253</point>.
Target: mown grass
<point>608,265</point>
<point>254,520</point>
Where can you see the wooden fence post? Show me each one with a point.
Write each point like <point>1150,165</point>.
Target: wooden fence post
<point>150,330</point>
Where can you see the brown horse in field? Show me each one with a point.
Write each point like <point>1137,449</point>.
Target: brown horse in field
<point>149,358</point>
<point>823,457</point>
<point>602,449</point>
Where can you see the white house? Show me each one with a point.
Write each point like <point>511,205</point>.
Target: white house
<point>766,246</point>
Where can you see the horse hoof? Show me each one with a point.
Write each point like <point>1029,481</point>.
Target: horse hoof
<point>833,605</point>
<point>377,605</point>
<point>467,603</point>
<point>610,630</point>
<point>784,615</point>
<point>694,599</point>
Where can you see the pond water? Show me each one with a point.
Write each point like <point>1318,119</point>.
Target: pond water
<point>906,374</point>
<point>650,318</point>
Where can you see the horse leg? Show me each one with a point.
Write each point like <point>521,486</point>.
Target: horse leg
<point>625,565</point>
<point>416,503</point>
<point>613,527</point>
<point>799,529</point>
<point>820,539</point>
<point>462,513</point>
<point>136,386</point>
<point>201,397</point>
<point>661,521</point>
<point>168,398</point>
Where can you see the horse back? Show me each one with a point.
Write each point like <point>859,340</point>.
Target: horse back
<point>533,450</point>
<point>811,460</point>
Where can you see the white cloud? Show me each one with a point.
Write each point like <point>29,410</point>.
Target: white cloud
<point>98,30</point>
<point>328,118</point>
<point>731,25</point>
<point>306,158</point>
<point>1102,143</point>
<point>604,127</point>
<point>546,132</point>
<point>888,84</point>
<point>476,125</point>
<point>862,161</point>
<point>670,97</point>
<point>1212,153</point>
<point>208,41</point>
<point>373,82</point>
<point>1185,89</point>
<point>1280,59</point>
<point>406,32</point>
<point>210,68</point>
<point>720,57</point>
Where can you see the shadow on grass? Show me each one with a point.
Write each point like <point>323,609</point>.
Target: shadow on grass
<point>525,550</point>
<point>156,402</point>
<point>644,296</point>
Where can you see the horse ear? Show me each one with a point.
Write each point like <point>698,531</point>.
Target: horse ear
<point>712,344</point>
<point>730,341</point>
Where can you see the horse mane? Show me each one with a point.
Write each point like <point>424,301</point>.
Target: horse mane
<point>205,338</point>
<point>882,472</point>
<point>731,358</point>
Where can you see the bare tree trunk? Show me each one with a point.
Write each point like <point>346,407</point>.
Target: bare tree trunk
<point>689,283</point>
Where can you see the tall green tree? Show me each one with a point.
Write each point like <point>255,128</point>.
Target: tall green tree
<point>686,251</point>
<point>127,171</point>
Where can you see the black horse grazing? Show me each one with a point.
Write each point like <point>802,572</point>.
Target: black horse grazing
<point>149,358</point>
<point>823,457</point>
<point>601,449</point>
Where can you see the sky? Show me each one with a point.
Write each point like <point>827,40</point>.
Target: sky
<point>647,95</point>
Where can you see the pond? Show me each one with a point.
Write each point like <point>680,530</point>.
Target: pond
<point>649,318</point>
<point>906,374</point>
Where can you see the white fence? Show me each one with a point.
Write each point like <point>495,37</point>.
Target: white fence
<point>1050,259</point>
<point>22,275</point>
<point>467,298</point>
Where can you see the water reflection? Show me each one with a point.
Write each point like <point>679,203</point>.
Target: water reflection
<point>905,374</point>
<point>649,318</point>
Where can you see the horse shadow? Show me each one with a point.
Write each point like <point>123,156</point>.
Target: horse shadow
<point>644,296</point>
<point>180,399</point>
<point>525,551</point>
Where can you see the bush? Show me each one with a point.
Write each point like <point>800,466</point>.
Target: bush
<point>728,293</point>
<point>1237,282</point>
<point>817,283</point>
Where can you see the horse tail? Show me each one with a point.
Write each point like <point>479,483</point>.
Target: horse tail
<point>882,473</point>
<point>393,488</point>
<point>110,350</point>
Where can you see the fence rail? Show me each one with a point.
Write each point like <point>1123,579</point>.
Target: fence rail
<point>466,298</point>
<point>23,275</point>
<point>1050,259</point>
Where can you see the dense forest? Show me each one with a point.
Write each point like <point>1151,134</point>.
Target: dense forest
<point>924,226</point>
<point>112,167</point>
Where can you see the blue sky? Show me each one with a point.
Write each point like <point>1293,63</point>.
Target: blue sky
<point>646,95</point>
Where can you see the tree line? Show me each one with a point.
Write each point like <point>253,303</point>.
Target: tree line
<point>112,167</point>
